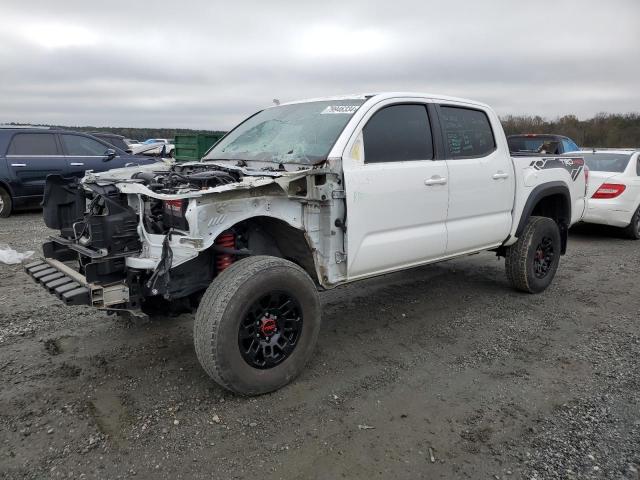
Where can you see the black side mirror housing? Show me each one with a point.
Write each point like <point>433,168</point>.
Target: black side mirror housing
<point>109,155</point>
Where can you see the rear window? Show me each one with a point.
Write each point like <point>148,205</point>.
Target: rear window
<point>33,144</point>
<point>467,132</point>
<point>548,145</point>
<point>606,162</point>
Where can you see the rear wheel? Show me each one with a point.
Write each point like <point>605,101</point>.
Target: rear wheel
<point>257,325</point>
<point>5,203</point>
<point>532,262</point>
<point>633,230</point>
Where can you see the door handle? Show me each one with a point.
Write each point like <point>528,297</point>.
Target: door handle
<point>435,180</point>
<point>499,175</point>
<point>18,164</point>
<point>76,164</point>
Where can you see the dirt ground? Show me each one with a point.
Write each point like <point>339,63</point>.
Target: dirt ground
<point>438,372</point>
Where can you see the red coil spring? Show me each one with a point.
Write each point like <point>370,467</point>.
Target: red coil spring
<point>224,260</point>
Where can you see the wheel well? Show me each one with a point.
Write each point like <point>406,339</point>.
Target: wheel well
<point>271,236</point>
<point>552,203</point>
<point>6,188</point>
<point>553,206</point>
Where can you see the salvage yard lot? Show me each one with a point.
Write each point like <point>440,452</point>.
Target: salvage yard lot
<point>437,372</point>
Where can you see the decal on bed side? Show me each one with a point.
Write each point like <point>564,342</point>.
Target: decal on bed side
<point>572,165</point>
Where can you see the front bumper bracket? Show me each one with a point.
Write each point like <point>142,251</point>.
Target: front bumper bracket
<point>72,287</point>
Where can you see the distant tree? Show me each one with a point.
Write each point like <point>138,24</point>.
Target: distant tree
<point>603,130</point>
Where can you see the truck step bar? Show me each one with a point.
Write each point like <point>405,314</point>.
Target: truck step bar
<point>72,288</point>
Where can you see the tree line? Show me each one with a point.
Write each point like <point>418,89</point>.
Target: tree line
<point>130,132</point>
<point>603,130</point>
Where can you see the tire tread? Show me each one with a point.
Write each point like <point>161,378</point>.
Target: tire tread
<point>516,257</point>
<point>214,303</point>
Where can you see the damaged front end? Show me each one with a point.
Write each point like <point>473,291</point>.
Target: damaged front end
<point>147,236</point>
<point>86,263</point>
<point>116,250</point>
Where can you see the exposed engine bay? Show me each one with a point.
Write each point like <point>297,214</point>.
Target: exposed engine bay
<point>165,231</point>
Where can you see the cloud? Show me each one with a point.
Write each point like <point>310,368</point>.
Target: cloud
<point>208,64</point>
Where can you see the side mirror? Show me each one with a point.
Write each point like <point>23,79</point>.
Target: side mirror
<point>109,155</point>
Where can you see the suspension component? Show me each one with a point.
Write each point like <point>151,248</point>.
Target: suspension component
<point>224,260</point>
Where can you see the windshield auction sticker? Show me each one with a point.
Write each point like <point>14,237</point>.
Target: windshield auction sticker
<point>348,109</point>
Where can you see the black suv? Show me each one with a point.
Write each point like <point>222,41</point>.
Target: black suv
<point>28,155</point>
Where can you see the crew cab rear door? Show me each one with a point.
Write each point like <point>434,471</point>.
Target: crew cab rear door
<point>481,178</point>
<point>396,192</point>
<point>32,156</point>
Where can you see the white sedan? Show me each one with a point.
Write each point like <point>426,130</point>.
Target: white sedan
<point>613,195</point>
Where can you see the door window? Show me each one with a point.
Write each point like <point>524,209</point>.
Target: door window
<point>78,145</point>
<point>467,132</point>
<point>398,133</point>
<point>33,144</point>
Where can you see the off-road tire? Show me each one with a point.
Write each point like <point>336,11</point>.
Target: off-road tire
<point>6,204</point>
<point>226,303</point>
<point>521,255</point>
<point>633,230</point>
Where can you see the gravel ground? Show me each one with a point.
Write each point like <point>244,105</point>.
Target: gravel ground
<point>438,372</point>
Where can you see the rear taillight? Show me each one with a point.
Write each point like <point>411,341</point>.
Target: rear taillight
<point>609,190</point>
<point>586,175</point>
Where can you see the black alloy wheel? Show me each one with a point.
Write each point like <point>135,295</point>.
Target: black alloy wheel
<point>543,257</point>
<point>270,330</point>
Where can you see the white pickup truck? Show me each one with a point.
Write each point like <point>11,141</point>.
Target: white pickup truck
<point>300,197</point>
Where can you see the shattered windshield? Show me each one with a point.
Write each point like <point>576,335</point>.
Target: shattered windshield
<point>298,133</point>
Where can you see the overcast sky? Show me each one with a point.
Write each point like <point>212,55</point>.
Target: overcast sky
<point>205,64</point>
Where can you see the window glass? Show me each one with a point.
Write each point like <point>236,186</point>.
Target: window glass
<point>569,146</point>
<point>302,133</point>
<point>84,146</point>
<point>33,144</point>
<point>116,142</point>
<point>638,166</point>
<point>398,133</point>
<point>606,162</point>
<point>467,132</point>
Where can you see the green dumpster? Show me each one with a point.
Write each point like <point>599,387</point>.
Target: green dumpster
<point>193,147</point>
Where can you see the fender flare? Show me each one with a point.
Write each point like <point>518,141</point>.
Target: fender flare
<point>543,191</point>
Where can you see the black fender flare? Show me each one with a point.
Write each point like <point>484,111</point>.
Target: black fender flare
<point>537,194</point>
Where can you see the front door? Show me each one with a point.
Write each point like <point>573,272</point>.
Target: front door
<point>85,153</point>
<point>32,156</point>
<point>396,192</point>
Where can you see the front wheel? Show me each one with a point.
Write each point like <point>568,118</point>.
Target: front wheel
<point>257,325</point>
<point>533,260</point>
